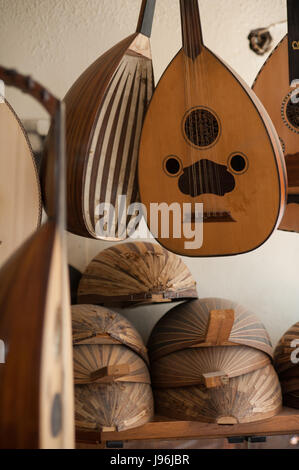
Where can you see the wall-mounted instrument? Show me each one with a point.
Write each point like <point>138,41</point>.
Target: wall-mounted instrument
<point>20,197</point>
<point>36,393</point>
<point>104,115</point>
<point>207,139</point>
<point>212,366</point>
<point>277,87</point>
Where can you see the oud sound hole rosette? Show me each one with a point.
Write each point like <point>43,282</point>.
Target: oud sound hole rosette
<point>290,111</point>
<point>201,127</point>
<point>238,163</point>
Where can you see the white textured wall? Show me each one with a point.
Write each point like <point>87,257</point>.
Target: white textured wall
<point>55,40</point>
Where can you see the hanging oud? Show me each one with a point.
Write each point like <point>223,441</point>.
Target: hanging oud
<point>207,139</point>
<point>36,392</point>
<point>104,115</point>
<point>20,213</point>
<point>277,88</point>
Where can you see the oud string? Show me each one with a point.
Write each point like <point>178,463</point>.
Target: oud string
<point>187,82</point>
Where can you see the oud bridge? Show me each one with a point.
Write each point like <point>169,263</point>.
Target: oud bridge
<point>207,217</point>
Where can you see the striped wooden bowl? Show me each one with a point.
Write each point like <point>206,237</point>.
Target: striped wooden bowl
<point>115,406</point>
<point>211,366</point>
<point>207,322</point>
<point>247,398</point>
<point>98,325</point>
<point>137,273</point>
<point>106,363</point>
<point>105,112</point>
<point>291,399</point>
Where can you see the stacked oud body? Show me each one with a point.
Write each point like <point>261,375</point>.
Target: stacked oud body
<point>286,361</point>
<point>211,362</point>
<point>112,380</point>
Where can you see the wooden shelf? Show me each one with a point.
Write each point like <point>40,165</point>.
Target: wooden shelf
<point>286,422</point>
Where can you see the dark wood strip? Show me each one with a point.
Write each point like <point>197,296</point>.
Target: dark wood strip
<point>99,146</point>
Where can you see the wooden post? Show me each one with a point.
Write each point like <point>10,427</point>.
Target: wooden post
<point>219,326</point>
<point>110,373</point>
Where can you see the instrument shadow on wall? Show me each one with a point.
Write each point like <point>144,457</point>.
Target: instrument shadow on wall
<point>207,139</point>
<point>36,393</point>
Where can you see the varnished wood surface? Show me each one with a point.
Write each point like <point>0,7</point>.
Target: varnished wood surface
<point>99,325</point>
<point>285,362</point>
<point>185,326</point>
<point>132,274</point>
<point>190,366</point>
<point>20,195</point>
<point>285,422</point>
<point>256,202</point>
<point>272,86</point>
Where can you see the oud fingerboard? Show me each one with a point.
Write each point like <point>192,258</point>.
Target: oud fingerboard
<point>293,34</point>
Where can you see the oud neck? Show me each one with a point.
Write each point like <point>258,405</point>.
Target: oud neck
<point>191,28</point>
<point>146,17</point>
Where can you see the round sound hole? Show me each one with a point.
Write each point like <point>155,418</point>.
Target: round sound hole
<point>290,111</point>
<point>172,165</point>
<point>238,163</point>
<point>201,127</point>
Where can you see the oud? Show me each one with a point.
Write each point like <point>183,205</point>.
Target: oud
<point>36,392</point>
<point>207,139</point>
<point>277,87</point>
<point>104,116</point>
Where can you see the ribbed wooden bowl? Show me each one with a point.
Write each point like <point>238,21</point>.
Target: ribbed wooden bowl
<point>98,325</point>
<point>285,362</point>
<point>250,397</point>
<point>207,322</point>
<point>136,273</point>
<point>114,363</point>
<point>119,406</point>
<point>212,366</point>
